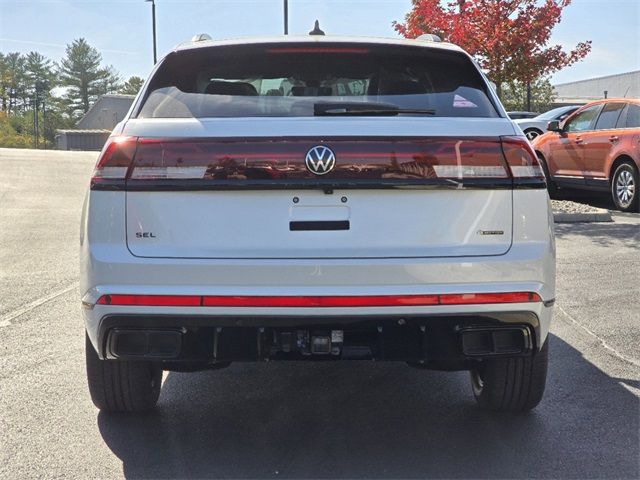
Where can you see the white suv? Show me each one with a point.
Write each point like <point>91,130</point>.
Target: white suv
<point>317,198</point>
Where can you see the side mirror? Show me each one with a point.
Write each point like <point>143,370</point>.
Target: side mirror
<point>554,126</point>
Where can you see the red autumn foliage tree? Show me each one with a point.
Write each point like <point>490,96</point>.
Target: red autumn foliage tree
<point>508,38</point>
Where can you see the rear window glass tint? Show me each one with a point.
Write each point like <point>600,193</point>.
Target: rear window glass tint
<point>289,80</point>
<point>633,116</point>
<point>609,116</point>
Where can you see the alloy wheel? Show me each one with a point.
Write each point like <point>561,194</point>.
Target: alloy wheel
<point>531,134</point>
<point>625,188</point>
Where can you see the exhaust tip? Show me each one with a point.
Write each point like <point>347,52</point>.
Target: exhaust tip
<point>495,341</point>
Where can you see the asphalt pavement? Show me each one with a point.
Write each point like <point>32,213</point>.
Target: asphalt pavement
<point>345,420</point>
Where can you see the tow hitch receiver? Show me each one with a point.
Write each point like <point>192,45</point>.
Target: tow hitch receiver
<point>306,342</point>
<point>320,345</point>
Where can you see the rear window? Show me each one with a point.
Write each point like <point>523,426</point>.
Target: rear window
<point>311,79</point>
<point>633,116</point>
<point>609,116</point>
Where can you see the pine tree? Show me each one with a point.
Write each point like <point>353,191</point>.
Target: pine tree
<point>39,77</point>
<point>132,86</point>
<point>12,82</point>
<point>85,79</point>
<point>39,72</point>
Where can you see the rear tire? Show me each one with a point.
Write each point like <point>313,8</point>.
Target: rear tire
<point>122,386</point>
<point>624,187</point>
<point>511,384</point>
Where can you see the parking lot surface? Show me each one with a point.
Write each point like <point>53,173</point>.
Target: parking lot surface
<point>348,420</point>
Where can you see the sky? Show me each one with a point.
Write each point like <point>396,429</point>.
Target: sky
<point>121,29</point>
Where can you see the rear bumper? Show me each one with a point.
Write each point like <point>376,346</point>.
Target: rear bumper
<point>108,268</point>
<point>448,341</point>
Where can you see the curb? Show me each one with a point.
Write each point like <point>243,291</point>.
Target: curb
<point>600,216</point>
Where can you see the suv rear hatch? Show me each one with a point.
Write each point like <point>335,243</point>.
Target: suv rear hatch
<point>392,152</point>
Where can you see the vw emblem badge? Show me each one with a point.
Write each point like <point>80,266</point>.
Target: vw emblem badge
<point>320,160</point>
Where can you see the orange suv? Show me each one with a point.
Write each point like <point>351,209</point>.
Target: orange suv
<point>598,148</point>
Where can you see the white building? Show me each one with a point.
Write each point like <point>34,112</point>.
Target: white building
<point>611,86</point>
<point>94,128</point>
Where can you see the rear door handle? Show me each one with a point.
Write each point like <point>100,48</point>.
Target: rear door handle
<point>614,138</point>
<point>579,140</point>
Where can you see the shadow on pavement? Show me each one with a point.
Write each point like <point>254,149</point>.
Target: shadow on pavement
<point>590,197</point>
<point>366,420</point>
<point>603,234</point>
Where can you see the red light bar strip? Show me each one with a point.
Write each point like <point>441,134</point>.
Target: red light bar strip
<point>310,302</point>
<point>152,300</point>
<point>481,298</point>
<point>318,50</point>
<point>318,301</point>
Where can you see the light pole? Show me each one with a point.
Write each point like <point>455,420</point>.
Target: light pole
<point>286,17</point>
<point>153,24</point>
<point>44,123</point>
<point>35,118</point>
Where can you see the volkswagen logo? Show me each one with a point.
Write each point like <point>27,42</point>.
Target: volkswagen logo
<point>320,160</point>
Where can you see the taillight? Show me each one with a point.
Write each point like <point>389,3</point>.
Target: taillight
<point>521,158</point>
<point>266,160</point>
<point>469,159</point>
<point>201,163</point>
<point>173,160</point>
<point>114,162</point>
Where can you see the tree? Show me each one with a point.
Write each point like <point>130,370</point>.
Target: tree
<point>132,86</point>
<point>12,82</point>
<point>9,136</point>
<point>38,82</point>
<point>508,38</point>
<point>542,96</point>
<point>82,73</point>
<point>39,72</point>
<point>5,80</point>
<point>39,78</point>
<point>111,82</point>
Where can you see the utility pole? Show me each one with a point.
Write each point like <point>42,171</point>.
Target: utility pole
<point>44,124</point>
<point>35,118</point>
<point>286,17</point>
<point>153,26</point>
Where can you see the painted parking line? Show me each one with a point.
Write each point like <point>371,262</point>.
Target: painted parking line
<point>6,319</point>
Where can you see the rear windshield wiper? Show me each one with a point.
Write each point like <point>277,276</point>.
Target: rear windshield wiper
<point>365,109</point>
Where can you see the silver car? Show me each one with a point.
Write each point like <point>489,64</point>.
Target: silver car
<point>533,127</point>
